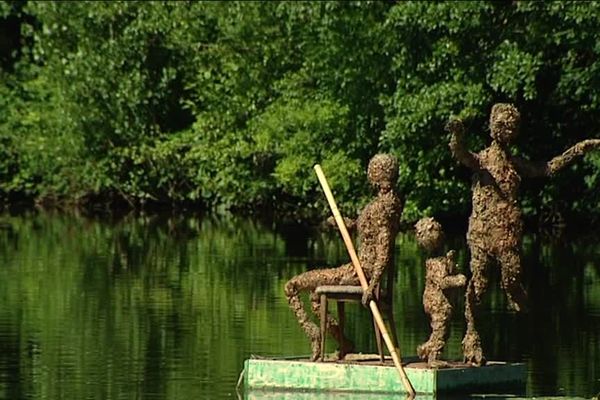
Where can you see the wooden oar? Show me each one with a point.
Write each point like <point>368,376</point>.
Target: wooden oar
<point>363,280</point>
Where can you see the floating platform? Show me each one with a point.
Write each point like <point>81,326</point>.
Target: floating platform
<point>360,373</point>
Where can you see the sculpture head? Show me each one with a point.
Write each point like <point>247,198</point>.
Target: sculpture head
<point>429,233</point>
<point>504,122</point>
<point>383,171</point>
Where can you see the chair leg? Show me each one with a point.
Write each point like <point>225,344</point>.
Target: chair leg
<point>323,317</point>
<point>341,318</point>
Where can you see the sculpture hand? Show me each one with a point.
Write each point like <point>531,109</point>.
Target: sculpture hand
<point>347,221</point>
<point>590,144</point>
<point>367,296</point>
<point>451,255</point>
<point>462,280</point>
<point>455,126</point>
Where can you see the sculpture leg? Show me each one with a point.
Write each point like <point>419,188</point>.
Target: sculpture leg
<point>432,349</point>
<point>292,292</point>
<point>510,264</point>
<point>471,343</point>
<point>308,282</point>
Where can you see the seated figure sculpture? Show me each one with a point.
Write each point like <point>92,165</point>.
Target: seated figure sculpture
<point>377,227</point>
<point>495,225</point>
<point>440,276</point>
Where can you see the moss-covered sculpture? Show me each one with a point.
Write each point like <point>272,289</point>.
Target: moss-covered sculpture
<point>440,276</point>
<point>377,227</point>
<point>495,226</point>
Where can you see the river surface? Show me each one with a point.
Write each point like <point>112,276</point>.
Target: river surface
<point>169,307</point>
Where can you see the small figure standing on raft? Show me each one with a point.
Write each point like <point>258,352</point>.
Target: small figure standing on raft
<point>377,227</point>
<point>495,226</point>
<point>440,276</point>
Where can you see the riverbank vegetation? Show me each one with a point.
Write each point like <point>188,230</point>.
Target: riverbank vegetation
<point>228,105</point>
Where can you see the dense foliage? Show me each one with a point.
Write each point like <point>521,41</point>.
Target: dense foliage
<point>230,104</point>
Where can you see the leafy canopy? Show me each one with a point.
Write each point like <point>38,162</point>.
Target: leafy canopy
<point>230,104</point>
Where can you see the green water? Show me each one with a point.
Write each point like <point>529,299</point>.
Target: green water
<point>168,307</point>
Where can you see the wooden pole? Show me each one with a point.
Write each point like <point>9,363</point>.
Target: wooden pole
<point>363,280</point>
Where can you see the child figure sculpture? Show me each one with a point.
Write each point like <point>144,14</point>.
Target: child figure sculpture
<point>439,277</point>
<point>495,226</point>
<point>377,228</point>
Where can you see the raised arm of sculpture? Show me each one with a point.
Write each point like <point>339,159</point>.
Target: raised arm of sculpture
<point>349,222</point>
<point>543,169</point>
<point>457,144</point>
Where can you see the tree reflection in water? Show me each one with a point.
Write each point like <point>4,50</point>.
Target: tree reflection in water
<point>169,306</point>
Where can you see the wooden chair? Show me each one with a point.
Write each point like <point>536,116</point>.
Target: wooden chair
<point>342,294</point>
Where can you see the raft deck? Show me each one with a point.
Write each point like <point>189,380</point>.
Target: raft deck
<point>366,374</point>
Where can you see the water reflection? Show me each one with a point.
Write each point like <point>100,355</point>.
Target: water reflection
<point>170,306</point>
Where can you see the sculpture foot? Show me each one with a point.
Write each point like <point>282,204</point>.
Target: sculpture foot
<point>315,342</point>
<point>316,349</point>
<point>473,354</point>
<point>430,350</point>
<point>423,351</point>
<point>437,364</point>
<point>516,306</point>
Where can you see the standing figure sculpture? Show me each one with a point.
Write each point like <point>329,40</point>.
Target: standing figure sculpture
<point>440,276</point>
<point>377,227</point>
<point>495,225</point>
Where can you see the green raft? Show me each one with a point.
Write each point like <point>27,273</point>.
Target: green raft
<point>366,374</point>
